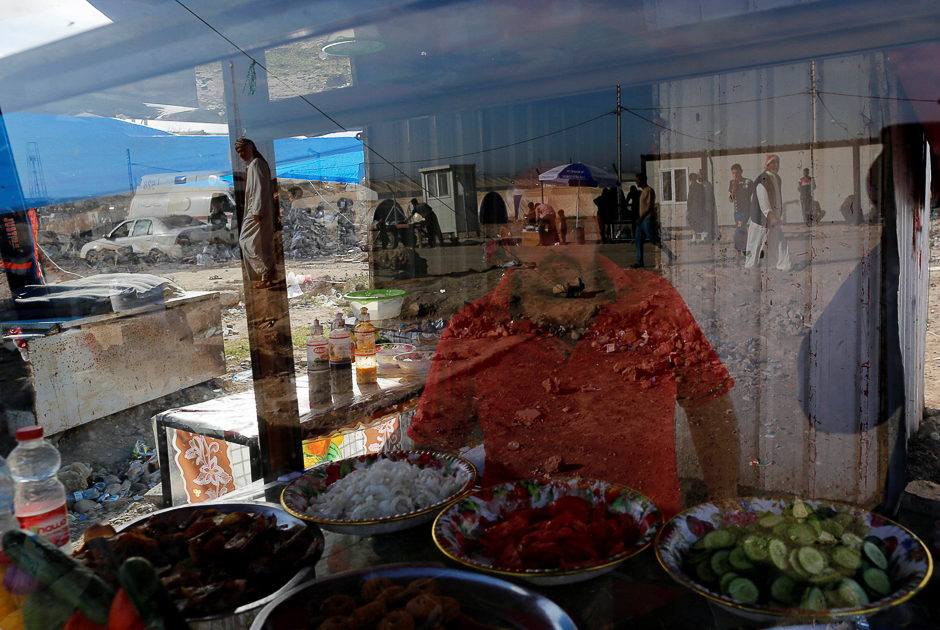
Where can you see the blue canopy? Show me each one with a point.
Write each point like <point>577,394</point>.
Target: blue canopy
<point>67,158</point>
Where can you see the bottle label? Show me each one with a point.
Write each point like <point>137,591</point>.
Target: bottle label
<point>52,525</point>
<point>340,350</point>
<point>318,358</point>
<point>365,344</point>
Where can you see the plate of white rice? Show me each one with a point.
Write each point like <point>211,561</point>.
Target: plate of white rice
<point>377,494</point>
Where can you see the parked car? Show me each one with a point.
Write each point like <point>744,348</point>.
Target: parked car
<point>160,238</point>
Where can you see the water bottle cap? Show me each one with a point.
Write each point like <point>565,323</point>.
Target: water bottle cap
<point>29,433</point>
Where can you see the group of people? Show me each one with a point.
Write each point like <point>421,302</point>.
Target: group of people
<point>758,216</point>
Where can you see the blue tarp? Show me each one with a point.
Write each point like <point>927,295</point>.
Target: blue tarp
<point>66,158</point>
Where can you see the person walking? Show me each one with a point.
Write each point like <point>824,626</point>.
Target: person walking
<point>257,230</point>
<point>647,225</point>
<point>739,193</point>
<point>710,211</point>
<point>765,231</point>
<point>806,186</point>
<point>695,208</point>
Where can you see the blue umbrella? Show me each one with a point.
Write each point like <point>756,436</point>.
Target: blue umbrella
<point>578,174</point>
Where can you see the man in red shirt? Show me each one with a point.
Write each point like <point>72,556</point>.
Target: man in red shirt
<point>584,385</point>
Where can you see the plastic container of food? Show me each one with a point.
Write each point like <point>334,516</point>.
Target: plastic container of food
<point>382,303</point>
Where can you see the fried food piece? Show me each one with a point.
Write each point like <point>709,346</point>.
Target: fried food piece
<point>424,608</point>
<point>425,585</point>
<point>335,623</point>
<point>451,608</point>
<point>366,616</point>
<point>393,596</point>
<point>372,588</point>
<point>396,620</point>
<point>337,605</point>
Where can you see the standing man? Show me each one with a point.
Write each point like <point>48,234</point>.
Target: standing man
<point>807,185</point>
<point>711,213</point>
<point>739,193</point>
<point>257,229</point>
<point>695,208</point>
<point>647,225</point>
<point>766,228</point>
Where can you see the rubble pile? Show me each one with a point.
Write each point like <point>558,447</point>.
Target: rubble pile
<point>311,232</point>
<point>90,494</point>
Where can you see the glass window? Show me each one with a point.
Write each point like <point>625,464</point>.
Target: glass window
<point>122,230</point>
<point>443,186</point>
<point>673,182</point>
<point>143,227</point>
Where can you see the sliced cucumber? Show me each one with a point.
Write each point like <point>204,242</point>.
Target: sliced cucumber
<point>852,593</point>
<point>738,560</point>
<point>801,534</point>
<point>726,580</point>
<point>874,554</point>
<point>719,539</point>
<point>877,581</point>
<point>846,558</point>
<point>703,571</point>
<point>743,590</point>
<point>851,540</point>
<point>719,562</point>
<point>811,560</point>
<point>770,520</point>
<point>755,547</point>
<point>796,567</point>
<point>785,590</point>
<point>813,599</point>
<point>777,550</point>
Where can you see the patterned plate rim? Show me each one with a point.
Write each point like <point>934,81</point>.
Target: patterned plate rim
<point>787,612</point>
<point>460,494</point>
<point>650,535</point>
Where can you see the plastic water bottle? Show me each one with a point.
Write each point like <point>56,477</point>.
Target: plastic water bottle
<point>39,496</point>
<point>7,520</point>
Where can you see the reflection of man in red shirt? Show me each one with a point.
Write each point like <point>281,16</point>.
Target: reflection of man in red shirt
<point>582,386</point>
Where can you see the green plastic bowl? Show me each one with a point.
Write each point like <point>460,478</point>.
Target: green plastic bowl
<point>382,303</point>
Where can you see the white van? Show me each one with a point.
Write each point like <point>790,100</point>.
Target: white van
<point>188,193</point>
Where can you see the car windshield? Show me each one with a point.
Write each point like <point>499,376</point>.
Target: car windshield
<point>180,220</point>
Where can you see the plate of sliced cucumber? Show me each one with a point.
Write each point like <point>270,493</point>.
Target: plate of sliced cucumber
<point>771,557</point>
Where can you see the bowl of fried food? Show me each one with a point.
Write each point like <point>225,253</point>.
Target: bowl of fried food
<point>216,560</point>
<point>411,596</point>
<point>548,532</point>
<point>765,558</point>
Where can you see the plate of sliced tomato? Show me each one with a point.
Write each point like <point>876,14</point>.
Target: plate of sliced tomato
<point>559,531</point>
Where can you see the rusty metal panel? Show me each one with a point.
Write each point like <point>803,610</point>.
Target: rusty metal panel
<point>103,367</point>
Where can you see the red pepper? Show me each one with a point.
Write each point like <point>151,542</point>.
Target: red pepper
<point>123,615</point>
<point>576,506</point>
<point>78,621</point>
<point>511,528</point>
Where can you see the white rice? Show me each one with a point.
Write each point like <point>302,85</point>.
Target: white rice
<point>386,488</point>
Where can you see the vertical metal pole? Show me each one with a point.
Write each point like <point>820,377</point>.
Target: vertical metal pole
<point>619,144</point>
<point>812,147</point>
<point>130,173</point>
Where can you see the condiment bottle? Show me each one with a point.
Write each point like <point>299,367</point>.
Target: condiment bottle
<point>340,358</point>
<point>365,349</point>
<point>318,366</point>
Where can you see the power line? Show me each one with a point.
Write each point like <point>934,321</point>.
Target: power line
<point>881,98</point>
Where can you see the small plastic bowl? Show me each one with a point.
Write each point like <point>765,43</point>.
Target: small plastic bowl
<point>418,362</point>
<point>382,303</point>
<point>385,353</point>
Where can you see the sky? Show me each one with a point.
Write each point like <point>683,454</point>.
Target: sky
<point>31,23</point>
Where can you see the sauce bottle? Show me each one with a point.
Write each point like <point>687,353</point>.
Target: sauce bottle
<point>340,358</point>
<point>365,349</point>
<point>318,366</point>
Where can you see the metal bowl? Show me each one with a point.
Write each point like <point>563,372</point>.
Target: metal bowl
<point>910,563</point>
<point>460,523</point>
<point>483,599</point>
<point>301,492</point>
<point>246,612</point>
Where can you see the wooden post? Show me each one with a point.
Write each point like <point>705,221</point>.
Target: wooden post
<point>269,331</point>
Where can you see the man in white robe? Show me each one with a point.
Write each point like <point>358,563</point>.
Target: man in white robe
<point>257,231</point>
<point>765,231</point>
